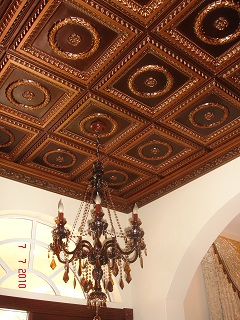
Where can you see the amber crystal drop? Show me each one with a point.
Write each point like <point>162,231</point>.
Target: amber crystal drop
<point>85,287</point>
<point>80,267</point>
<point>127,268</point>
<point>128,277</point>
<point>115,269</point>
<point>141,261</point>
<point>121,283</point>
<point>65,277</point>
<point>74,283</point>
<point>82,281</point>
<point>90,285</point>
<point>53,264</point>
<point>110,286</point>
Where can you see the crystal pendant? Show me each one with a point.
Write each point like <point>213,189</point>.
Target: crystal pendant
<point>80,267</point>
<point>65,277</point>
<point>82,281</point>
<point>121,283</point>
<point>115,269</point>
<point>74,283</point>
<point>86,287</point>
<point>53,264</point>
<point>141,261</point>
<point>110,286</point>
<point>127,268</point>
<point>128,277</point>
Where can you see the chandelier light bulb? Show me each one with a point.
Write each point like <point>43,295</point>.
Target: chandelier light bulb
<point>135,212</point>
<point>98,199</point>
<point>60,210</point>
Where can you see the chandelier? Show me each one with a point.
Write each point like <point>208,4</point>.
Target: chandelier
<point>100,249</point>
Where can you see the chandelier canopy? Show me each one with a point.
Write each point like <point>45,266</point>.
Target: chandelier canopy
<point>101,248</point>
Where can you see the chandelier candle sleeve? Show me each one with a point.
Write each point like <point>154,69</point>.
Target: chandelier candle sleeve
<point>60,210</point>
<point>135,212</point>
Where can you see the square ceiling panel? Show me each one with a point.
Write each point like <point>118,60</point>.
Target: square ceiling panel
<point>120,124</point>
<point>207,115</point>
<point>207,31</point>
<point>15,137</point>
<point>157,150</point>
<point>56,157</point>
<point>79,38</point>
<point>151,78</point>
<point>124,180</point>
<point>32,93</point>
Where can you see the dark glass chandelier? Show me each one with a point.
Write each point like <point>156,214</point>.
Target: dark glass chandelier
<point>100,249</point>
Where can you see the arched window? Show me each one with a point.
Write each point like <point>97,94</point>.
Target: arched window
<point>24,262</point>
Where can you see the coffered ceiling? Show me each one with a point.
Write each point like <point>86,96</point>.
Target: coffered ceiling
<point>163,75</point>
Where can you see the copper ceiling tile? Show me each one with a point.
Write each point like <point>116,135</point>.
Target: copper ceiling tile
<point>120,123</point>
<point>208,115</point>
<point>142,11</point>
<point>156,150</point>
<point>124,180</point>
<point>11,17</point>
<point>15,137</point>
<point>151,78</point>
<point>232,76</point>
<point>78,38</point>
<point>57,157</point>
<point>32,93</point>
<point>205,30</point>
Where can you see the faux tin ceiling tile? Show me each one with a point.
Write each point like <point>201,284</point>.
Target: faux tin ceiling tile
<point>208,115</point>
<point>143,11</point>
<point>151,78</point>
<point>32,93</point>
<point>207,31</point>
<point>11,15</point>
<point>120,123</point>
<point>232,75</point>
<point>79,38</point>
<point>123,179</point>
<point>15,137</point>
<point>156,149</point>
<point>57,157</point>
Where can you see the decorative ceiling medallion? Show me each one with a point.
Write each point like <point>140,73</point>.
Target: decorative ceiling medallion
<point>59,158</point>
<point>208,115</point>
<point>150,82</point>
<point>20,90</point>
<point>155,150</point>
<point>115,177</point>
<point>110,128</point>
<point>6,137</point>
<point>74,39</point>
<point>224,17</point>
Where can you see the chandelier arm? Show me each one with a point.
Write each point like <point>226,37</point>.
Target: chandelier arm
<point>113,244</point>
<point>134,258</point>
<point>81,244</point>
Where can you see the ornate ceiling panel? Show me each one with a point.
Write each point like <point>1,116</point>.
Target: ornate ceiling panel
<point>163,76</point>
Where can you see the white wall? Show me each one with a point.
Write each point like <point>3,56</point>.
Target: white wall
<point>179,228</point>
<point>195,302</point>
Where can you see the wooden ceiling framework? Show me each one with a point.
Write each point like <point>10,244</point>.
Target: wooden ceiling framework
<point>162,74</point>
